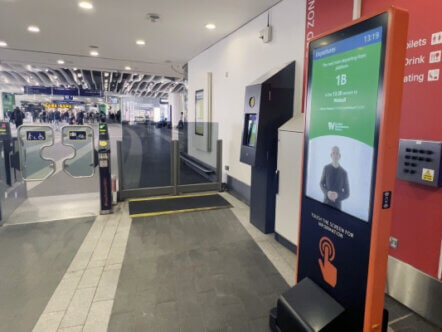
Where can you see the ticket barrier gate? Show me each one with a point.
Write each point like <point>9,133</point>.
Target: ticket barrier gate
<point>35,139</point>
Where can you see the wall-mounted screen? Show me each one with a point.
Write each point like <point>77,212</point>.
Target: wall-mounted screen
<point>251,123</point>
<point>199,112</point>
<point>341,122</point>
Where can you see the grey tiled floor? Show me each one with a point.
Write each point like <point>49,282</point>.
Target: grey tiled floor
<point>187,270</point>
<point>197,271</point>
<point>33,260</point>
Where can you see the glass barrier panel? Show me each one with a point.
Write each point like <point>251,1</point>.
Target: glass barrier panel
<point>146,150</point>
<point>198,152</point>
<point>2,163</point>
<point>81,139</point>
<point>32,141</point>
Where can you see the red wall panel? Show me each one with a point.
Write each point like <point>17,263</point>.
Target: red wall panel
<point>417,209</point>
<point>323,15</point>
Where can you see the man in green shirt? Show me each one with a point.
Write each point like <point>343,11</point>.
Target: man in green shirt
<point>334,181</point>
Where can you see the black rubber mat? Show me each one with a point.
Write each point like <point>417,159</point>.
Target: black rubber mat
<point>175,204</point>
<point>199,271</point>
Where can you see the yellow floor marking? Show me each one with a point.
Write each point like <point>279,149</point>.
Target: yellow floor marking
<point>160,213</point>
<point>169,197</point>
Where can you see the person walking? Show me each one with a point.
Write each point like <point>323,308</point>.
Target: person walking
<point>80,118</point>
<point>57,119</point>
<point>18,117</point>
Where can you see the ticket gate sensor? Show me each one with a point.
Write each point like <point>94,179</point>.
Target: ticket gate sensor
<point>104,164</point>
<point>268,105</point>
<point>353,104</point>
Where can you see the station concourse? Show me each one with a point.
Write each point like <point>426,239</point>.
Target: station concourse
<point>233,166</point>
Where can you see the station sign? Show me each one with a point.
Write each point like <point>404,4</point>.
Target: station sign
<point>90,93</point>
<point>77,135</point>
<point>64,92</point>
<point>58,106</point>
<point>37,90</point>
<point>36,135</point>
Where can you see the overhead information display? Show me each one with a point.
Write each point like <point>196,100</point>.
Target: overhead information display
<point>342,122</point>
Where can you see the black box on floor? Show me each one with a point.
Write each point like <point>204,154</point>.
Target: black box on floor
<point>306,308</point>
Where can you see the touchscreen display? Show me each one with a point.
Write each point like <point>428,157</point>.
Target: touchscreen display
<point>251,129</point>
<point>342,122</point>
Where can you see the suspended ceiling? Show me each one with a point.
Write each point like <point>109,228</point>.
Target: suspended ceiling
<point>14,76</point>
<point>67,32</point>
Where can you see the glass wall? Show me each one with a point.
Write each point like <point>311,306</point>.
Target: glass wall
<point>198,144</point>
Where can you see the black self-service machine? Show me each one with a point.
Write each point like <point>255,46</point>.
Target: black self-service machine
<point>10,154</point>
<point>268,105</point>
<point>104,164</point>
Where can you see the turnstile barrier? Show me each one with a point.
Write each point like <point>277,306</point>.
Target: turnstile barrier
<point>33,140</point>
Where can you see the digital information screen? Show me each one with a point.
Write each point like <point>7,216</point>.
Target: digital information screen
<point>252,129</point>
<point>342,122</point>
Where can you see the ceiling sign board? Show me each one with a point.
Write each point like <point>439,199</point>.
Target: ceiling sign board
<point>64,92</point>
<point>37,90</point>
<point>90,93</point>
<point>353,105</point>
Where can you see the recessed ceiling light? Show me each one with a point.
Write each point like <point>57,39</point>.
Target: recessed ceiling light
<point>94,53</point>
<point>106,74</point>
<point>3,43</point>
<point>29,67</point>
<point>60,62</point>
<point>127,68</point>
<point>79,75</point>
<point>210,26</point>
<point>33,28</point>
<point>85,5</point>
<point>141,42</point>
<point>74,68</point>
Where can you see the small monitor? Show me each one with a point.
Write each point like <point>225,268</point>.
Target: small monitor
<point>251,123</point>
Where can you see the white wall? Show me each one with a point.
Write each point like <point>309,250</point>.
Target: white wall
<point>176,101</point>
<point>237,61</point>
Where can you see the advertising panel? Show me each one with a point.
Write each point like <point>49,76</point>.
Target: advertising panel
<point>199,112</point>
<point>8,102</point>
